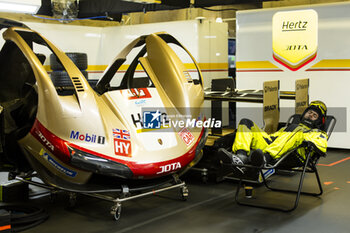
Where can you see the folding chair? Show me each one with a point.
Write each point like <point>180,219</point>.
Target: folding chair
<point>309,166</point>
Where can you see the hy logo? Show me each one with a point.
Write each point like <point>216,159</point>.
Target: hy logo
<point>122,143</point>
<point>151,119</point>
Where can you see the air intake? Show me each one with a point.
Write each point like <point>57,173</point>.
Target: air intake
<point>77,84</point>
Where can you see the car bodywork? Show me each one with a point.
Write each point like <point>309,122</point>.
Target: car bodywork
<point>71,135</point>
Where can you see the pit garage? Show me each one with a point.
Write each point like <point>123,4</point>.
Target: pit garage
<point>168,116</point>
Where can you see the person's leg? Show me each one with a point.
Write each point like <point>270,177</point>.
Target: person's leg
<point>249,136</point>
<point>259,158</point>
<point>284,143</point>
<point>278,148</point>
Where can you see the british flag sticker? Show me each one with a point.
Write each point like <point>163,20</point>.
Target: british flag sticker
<point>186,136</point>
<point>122,143</point>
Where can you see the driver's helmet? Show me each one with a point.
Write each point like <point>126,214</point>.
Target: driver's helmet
<point>321,109</point>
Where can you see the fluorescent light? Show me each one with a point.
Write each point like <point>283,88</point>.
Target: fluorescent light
<point>20,6</point>
<point>145,1</point>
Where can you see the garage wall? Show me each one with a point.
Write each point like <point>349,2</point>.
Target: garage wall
<point>70,38</point>
<point>206,40</point>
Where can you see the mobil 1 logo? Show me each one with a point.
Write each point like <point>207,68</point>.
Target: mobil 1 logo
<point>85,137</point>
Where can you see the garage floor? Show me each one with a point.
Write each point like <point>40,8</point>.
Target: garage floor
<point>211,208</point>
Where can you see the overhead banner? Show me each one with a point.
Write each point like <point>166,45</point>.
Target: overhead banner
<point>295,37</point>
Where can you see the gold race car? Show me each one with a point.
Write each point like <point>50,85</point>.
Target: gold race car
<point>138,126</point>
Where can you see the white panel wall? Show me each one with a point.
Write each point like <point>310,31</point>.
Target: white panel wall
<point>72,38</point>
<point>207,42</point>
<point>329,84</point>
<point>116,38</point>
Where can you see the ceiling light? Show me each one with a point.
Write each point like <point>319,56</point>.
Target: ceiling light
<point>218,20</point>
<point>20,6</point>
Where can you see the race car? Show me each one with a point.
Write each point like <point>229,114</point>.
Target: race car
<point>139,123</point>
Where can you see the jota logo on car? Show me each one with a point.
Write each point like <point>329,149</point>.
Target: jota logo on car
<point>87,137</point>
<point>169,167</point>
<point>45,141</point>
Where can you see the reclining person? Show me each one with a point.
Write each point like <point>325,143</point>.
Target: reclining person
<point>269,148</point>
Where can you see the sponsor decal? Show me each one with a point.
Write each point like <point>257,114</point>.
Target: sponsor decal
<point>140,102</point>
<point>270,89</point>
<point>122,143</point>
<point>301,95</point>
<point>186,136</point>
<point>138,93</point>
<point>56,164</point>
<point>87,137</point>
<point>295,37</point>
<point>300,86</point>
<point>169,167</point>
<point>137,120</point>
<point>45,141</point>
<point>301,104</point>
<point>270,107</point>
<point>151,119</point>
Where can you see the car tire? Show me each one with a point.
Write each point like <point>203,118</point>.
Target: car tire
<point>61,78</point>
<point>79,59</point>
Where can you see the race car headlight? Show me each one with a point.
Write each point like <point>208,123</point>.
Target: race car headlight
<point>96,164</point>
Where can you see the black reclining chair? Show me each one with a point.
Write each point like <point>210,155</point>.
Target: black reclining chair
<point>287,163</point>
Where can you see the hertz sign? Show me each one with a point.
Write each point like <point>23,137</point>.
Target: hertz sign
<point>295,37</point>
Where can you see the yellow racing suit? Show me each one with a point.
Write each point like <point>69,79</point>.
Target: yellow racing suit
<point>250,136</point>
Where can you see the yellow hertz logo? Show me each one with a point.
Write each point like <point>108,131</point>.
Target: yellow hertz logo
<point>295,37</point>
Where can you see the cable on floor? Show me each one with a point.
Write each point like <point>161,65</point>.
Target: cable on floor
<point>22,217</point>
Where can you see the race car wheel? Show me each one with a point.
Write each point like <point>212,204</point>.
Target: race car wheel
<point>53,196</point>
<point>79,59</point>
<point>184,193</point>
<point>205,179</point>
<point>116,211</point>
<point>72,200</point>
<point>61,78</point>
